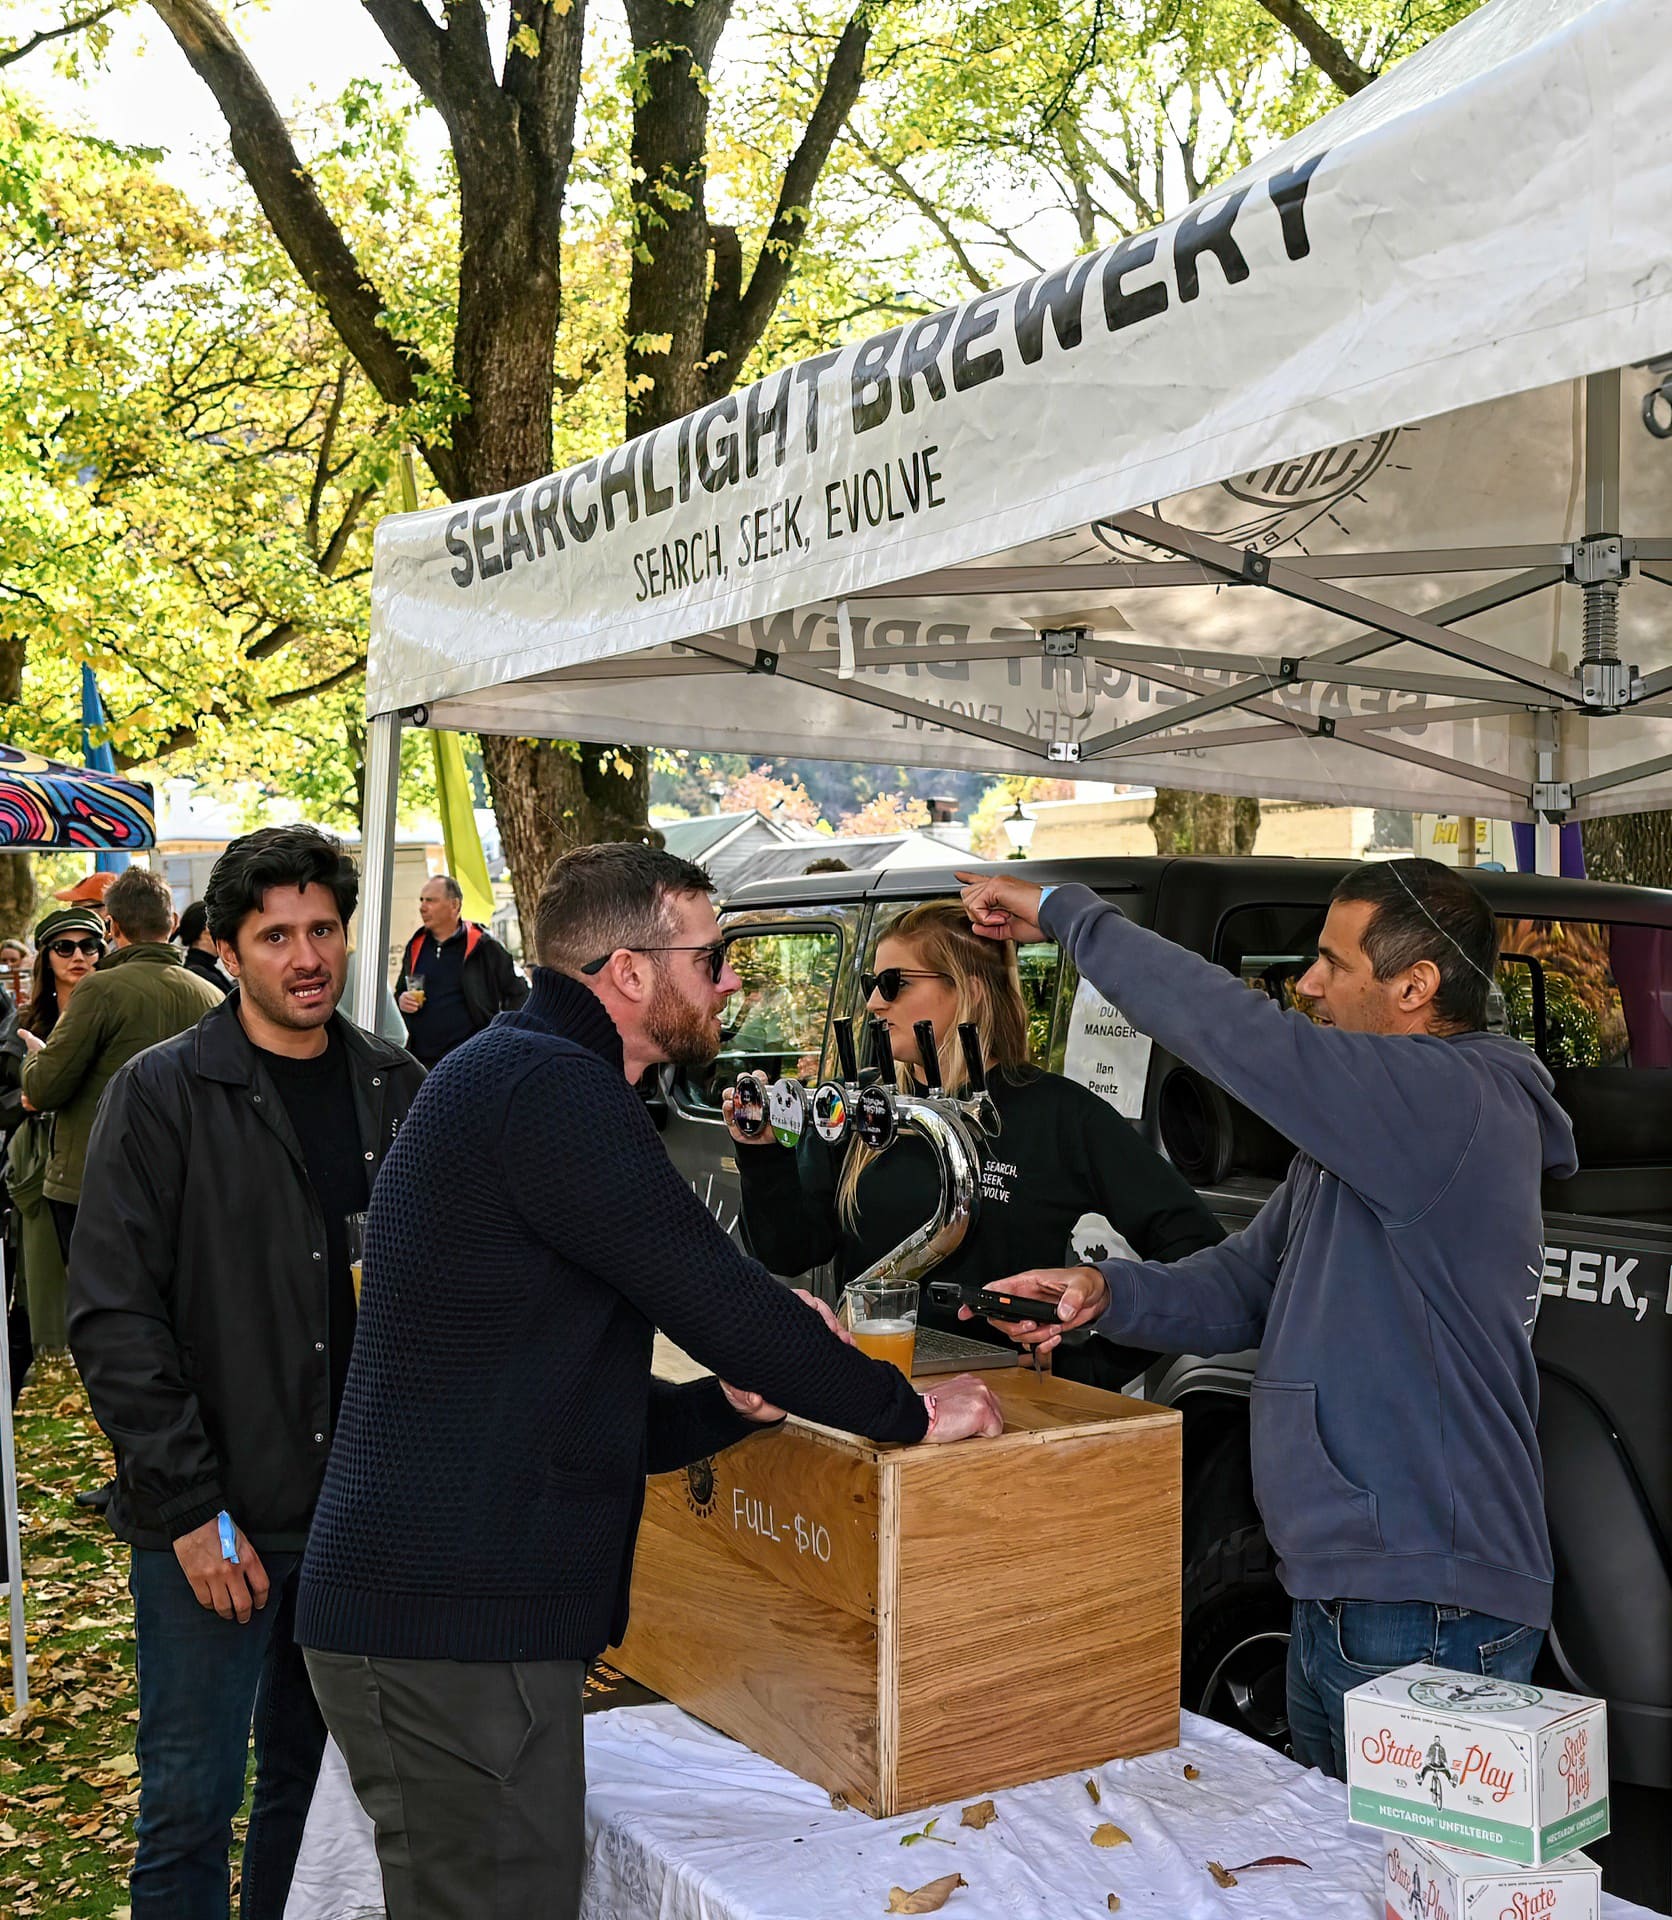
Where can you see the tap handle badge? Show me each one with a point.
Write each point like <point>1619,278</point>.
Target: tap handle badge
<point>882,1053</point>
<point>749,1105</point>
<point>843,1030</point>
<point>969,1037</point>
<point>928,1054</point>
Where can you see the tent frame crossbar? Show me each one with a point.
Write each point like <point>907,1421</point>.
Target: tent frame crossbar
<point>1130,576</point>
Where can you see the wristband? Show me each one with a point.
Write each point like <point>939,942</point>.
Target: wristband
<point>229,1536</point>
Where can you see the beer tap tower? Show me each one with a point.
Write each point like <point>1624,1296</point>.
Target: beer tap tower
<point>876,1115</point>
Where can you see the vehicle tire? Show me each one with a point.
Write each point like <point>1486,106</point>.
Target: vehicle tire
<point>1236,1638</point>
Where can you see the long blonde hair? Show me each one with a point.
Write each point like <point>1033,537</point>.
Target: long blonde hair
<point>988,987</point>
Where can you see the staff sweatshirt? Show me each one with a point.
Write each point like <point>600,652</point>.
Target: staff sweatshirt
<point>1390,1282</point>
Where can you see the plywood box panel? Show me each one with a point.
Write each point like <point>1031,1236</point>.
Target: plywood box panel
<point>848,1608</point>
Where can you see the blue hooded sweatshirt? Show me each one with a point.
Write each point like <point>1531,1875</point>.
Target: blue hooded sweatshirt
<point>1390,1282</point>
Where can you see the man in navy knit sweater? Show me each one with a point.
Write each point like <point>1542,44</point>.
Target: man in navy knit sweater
<point>473,1544</point>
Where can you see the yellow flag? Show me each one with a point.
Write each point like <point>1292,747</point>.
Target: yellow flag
<point>465,860</point>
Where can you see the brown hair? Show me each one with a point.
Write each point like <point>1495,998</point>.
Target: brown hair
<point>988,986</point>
<point>597,899</point>
<point>139,903</point>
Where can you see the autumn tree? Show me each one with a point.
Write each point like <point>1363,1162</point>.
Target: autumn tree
<point>1019,130</point>
<point>700,291</point>
<point>759,790</point>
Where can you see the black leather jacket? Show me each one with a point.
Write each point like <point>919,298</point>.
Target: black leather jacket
<point>197,1302</point>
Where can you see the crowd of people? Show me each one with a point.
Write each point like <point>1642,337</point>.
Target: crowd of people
<point>390,1487</point>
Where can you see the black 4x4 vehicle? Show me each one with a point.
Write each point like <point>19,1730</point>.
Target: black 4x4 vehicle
<point>1586,978</point>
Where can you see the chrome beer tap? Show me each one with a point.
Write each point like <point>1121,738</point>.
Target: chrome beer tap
<point>948,1123</point>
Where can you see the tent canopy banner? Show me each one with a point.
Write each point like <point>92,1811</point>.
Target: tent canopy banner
<point>1354,479</point>
<point>47,807</point>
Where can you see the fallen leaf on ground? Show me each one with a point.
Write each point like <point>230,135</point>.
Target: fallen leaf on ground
<point>927,1833</point>
<point>1193,1773</point>
<point>1114,1903</point>
<point>929,1899</point>
<point>1109,1835</point>
<point>982,1814</point>
<point>1271,1860</point>
<point>1222,1875</point>
<point>125,1764</point>
<point>1096,1793</point>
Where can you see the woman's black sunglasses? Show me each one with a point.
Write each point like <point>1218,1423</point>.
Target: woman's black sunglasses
<point>889,982</point>
<point>716,957</point>
<point>68,949</point>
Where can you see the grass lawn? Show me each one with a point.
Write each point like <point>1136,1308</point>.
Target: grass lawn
<point>68,1779</point>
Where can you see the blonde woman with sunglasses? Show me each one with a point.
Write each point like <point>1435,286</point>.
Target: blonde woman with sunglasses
<point>1060,1152</point>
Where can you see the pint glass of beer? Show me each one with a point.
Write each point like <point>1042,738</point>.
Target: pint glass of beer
<point>355,1233</point>
<point>883,1316</point>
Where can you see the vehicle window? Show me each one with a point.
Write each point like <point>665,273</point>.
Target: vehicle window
<point>776,1023</point>
<point>1605,989</point>
<point>1039,966</point>
<point>1584,993</point>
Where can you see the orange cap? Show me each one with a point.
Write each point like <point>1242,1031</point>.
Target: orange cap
<point>91,889</point>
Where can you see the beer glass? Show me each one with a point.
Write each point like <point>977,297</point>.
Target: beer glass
<point>355,1226</point>
<point>882,1315</point>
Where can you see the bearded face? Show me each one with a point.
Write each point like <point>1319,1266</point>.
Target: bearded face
<point>684,1031</point>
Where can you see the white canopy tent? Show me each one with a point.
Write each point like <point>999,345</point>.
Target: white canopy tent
<point>1355,480</point>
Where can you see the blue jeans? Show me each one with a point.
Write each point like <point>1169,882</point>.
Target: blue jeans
<point>202,1680</point>
<point>1336,1645</point>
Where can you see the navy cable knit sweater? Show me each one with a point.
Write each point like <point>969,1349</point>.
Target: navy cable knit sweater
<point>527,1235</point>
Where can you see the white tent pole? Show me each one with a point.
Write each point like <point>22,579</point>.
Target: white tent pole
<point>1547,846</point>
<point>377,866</point>
<point>8,1495</point>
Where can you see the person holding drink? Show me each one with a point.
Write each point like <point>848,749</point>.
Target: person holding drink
<point>211,1313</point>
<point>1060,1152</point>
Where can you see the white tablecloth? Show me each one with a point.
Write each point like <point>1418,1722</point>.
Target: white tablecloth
<point>685,1824</point>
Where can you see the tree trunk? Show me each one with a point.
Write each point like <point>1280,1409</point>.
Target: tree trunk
<point>1203,822</point>
<point>17,870</point>
<point>1632,848</point>
<point>551,795</point>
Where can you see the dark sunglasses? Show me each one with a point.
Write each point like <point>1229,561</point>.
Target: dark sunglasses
<point>892,979</point>
<point>68,949</point>
<point>716,957</point>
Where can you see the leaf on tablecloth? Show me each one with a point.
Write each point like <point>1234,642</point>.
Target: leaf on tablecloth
<point>927,1833</point>
<point>1109,1835</point>
<point>1271,1860</point>
<point>1222,1875</point>
<point>1096,1793</point>
<point>929,1899</point>
<point>982,1814</point>
<point>1193,1773</point>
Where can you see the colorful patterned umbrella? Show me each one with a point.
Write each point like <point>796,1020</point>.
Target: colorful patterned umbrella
<point>48,808</point>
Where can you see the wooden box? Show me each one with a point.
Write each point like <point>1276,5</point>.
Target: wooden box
<point>880,1619</point>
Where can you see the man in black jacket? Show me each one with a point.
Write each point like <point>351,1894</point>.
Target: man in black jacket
<point>455,976</point>
<point>211,1314</point>
<point>474,1540</point>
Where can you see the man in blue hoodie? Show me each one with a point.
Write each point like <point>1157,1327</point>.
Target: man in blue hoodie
<point>1390,1283</point>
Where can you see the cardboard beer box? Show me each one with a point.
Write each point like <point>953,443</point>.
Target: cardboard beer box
<point>1424,1882</point>
<point>1497,1767</point>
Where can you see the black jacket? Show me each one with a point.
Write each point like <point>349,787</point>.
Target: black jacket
<point>207,967</point>
<point>489,978</point>
<point>197,1296</point>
